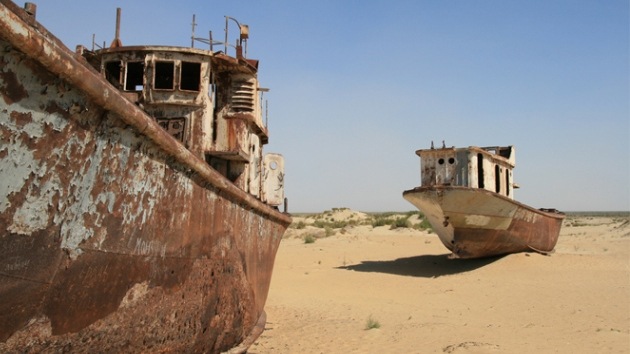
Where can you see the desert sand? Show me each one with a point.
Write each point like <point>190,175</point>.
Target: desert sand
<point>365,289</point>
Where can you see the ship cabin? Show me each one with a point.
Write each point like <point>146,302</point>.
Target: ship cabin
<point>208,101</point>
<point>487,168</point>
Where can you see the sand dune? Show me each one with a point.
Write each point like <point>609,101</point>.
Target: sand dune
<point>364,289</point>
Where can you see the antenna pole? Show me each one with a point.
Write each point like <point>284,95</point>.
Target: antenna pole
<point>118,13</point>
<point>226,34</point>
<point>192,38</point>
<point>116,42</point>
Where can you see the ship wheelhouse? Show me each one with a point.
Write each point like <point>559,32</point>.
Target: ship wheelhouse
<point>208,101</point>
<point>489,168</point>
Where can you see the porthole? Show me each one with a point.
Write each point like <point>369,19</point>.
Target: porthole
<point>451,161</point>
<point>441,161</point>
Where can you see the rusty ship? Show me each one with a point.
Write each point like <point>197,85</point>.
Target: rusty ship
<point>138,212</point>
<point>467,194</point>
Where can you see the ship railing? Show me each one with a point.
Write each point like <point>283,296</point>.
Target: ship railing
<point>94,45</point>
<point>238,47</point>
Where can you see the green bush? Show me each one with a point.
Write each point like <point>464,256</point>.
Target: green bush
<point>309,238</point>
<point>372,323</point>
<point>322,224</point>
<point>381,221</point>
<point>401,223</point>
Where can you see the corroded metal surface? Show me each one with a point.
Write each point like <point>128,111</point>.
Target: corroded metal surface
<point>467,196</point>
<point>114,235</point>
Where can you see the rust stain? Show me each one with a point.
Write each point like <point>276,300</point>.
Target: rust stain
<point>12,91</point>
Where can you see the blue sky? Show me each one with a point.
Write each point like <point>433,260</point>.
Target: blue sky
<point>358,86</point>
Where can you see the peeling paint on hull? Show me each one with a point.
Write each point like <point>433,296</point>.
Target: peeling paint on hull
<point>109,239</point>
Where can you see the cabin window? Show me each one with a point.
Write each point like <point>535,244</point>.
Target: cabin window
<point>480,170</point>
<point>191,76</point>
<point>507,183</point>
<point>112,73</point>
<point>497,178</point>
<point>164,75</point>
<point>232,170</point>
<point>212,91</point>
<point>135,76</point>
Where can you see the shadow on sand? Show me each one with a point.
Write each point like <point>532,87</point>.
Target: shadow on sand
<point>427,266</point>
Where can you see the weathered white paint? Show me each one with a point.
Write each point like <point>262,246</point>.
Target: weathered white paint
<point>477,220</point>
<point>273,181</point>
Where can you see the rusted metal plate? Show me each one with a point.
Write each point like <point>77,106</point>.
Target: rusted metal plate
<point>113,235</point>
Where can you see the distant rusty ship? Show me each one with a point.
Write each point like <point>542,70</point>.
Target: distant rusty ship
<point>467,196</point>
<point>138,212</point>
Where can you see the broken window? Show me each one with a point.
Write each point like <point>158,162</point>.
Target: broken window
<point>212,90</point>
<point>507,183</point>
<point>230,169</point>
<point>135,76</point>
<point>480,175</point>
<point>112,73</point>
<point>191,76</point>
<point>164,75</point>
<point>497,178</point>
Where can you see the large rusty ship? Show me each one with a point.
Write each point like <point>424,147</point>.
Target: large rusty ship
<point>138,212</point>
<point>467,194</point>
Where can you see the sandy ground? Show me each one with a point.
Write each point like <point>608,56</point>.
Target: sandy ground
<point>324,294</point>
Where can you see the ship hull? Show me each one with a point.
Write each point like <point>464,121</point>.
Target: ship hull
<point>113,236</point>
<point>475,223</point>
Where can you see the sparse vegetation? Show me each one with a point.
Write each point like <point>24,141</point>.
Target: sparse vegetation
<point>308,238</point>
<point>299,225</point>
<point>586,219</point>
<point>401,220</point>
<point>322,224</point>
<point>372,324</point>
<point>401,223</point>
<point>575,223</point>
<point>381,221</point>
<point>332,223</point>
